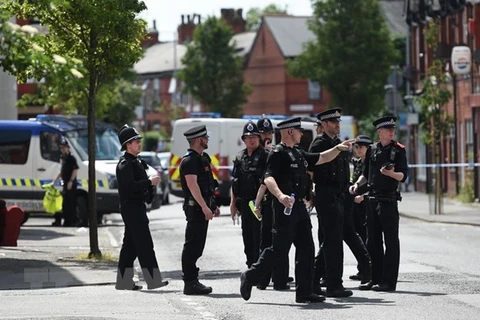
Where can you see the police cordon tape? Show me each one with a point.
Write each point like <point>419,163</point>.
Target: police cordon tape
<point>443,165</point>
<point>420,165</point>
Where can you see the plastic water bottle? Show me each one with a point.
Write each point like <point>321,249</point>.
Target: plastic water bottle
<point>288,211</point>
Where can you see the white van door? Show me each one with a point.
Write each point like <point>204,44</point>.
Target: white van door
<point>47,161</point>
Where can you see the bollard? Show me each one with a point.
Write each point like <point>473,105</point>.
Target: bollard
<point>11,230</point>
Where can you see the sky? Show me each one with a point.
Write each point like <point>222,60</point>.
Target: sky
<point>168,14</point>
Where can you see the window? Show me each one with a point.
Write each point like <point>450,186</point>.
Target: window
<point>469,140</point>
<point>421,157</point>
<point>50,146</point>
<point>14,146</point>
<point>314,90</point>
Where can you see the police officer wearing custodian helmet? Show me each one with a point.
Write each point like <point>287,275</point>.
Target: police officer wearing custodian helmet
<point>385,166</point>
<point>198,186</point>
<point>134,189</point>
<point>287,178</point>
<point>248,167</point>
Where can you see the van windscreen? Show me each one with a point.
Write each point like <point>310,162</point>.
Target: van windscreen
<point>107,146</point>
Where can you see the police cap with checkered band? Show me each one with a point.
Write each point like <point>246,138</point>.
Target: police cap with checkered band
<point>385,122</point>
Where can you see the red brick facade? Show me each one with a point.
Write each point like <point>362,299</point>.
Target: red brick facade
<point>274,91</point>
<point>462,28</point>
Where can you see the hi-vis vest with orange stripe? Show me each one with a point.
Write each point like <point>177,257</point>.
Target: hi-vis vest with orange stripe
<point>175,160</point>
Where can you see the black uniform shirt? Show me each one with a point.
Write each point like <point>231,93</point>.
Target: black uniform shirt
<point>373,163</point>
<point>69,163</point>
<point>133,182</point>
<point>250,170</point>
<point>199,165</point>
<point>335,173</point>
<point>282,173</point>
<point>358,166</point>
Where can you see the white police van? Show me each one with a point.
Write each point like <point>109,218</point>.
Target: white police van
<point>224,144</point>
<point>30,157</point>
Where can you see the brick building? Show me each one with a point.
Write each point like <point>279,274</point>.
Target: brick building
<point>460,26</point>
<point>156,70</point>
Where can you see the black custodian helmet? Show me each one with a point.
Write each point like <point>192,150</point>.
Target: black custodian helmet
<point>250,129</point>
<point>264,125</point>
<point>127,134</point>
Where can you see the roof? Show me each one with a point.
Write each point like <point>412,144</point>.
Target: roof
<point>159,58</point>
<point>393,12</point>
<point>244,42</point>
<point>291,33</point>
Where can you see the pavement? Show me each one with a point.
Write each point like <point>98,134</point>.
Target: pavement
<point>49,257</point>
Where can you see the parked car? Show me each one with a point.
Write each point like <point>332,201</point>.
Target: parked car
<point>156,161</point>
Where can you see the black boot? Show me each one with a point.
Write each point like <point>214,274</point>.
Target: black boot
<point>194,287</point>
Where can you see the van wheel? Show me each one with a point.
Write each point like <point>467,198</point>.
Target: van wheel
<point>167,199</point>
<point>82,210</point>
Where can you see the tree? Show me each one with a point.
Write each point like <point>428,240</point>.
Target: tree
<point>106,36</point>
<point>351,56</point>
<point>254,15</point>
<point>212,72</point>
<point>432,101</point>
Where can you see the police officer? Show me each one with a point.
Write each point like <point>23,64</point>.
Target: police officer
<point>319,263</point>
<point>265,127</point>
<point>385,166</point>
<point>68,173</point>
<point>351,237</point>
<point>198,188</point>
<point>247,174</point>
<point>286,175</point>
<point>134,189</point>
<point>331,183</point>
<point>360,146</point>
<point>263,207</point>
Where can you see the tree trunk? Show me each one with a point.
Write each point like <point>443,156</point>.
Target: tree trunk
<point>92,196</point>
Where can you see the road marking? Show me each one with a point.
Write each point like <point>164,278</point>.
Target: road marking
<point>199,310</point>
<point>417,268</point>
<point>113,242</point>
<point>471,299</point>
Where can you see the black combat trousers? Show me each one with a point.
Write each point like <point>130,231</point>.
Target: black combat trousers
<point>137,242</point>
<point>382,223</point>
<point>69,207</point>
<point>319,264</point>
<point>296,229</point>
<point>355,242</point>
<point>195,238</point>
<point>281,270</point>
<point>250,233</point>
<point>331,215</point>
<point>360,220</point>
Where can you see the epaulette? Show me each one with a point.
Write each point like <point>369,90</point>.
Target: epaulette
<point>278,148</point>
<point>189,152</point>
<point>399,145</point>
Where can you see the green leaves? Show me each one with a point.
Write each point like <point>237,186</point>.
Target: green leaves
<point>212,71</point>
<point>351,56</point>
<point>435,94</point>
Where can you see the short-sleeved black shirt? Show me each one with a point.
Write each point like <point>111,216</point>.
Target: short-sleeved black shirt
<point>69,163</point>
<point>278,166</point>
<point>199,165</point>
<point>379,182</point>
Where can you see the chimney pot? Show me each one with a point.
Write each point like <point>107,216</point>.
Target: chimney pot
<point>183,19</point>
<point>188,19</point>
<point>155,24</point>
